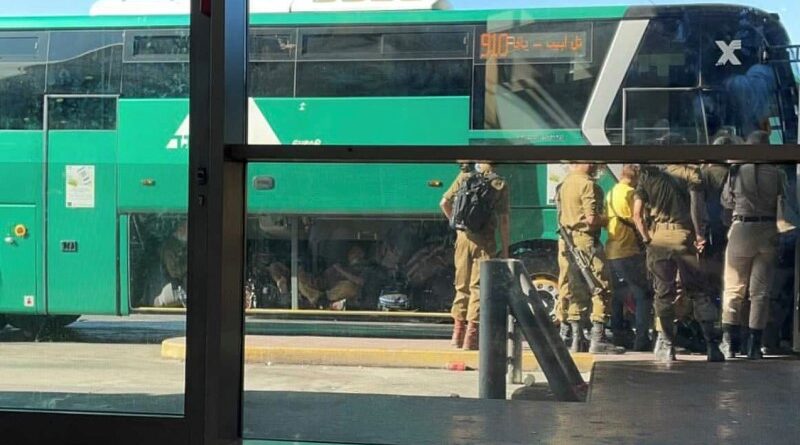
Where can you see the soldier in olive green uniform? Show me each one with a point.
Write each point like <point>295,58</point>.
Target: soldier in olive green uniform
<point>674,199</point>
<point>581,212</point>
<point>470,249</point>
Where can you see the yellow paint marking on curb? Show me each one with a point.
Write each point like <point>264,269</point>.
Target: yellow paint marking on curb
<point>175,348</point>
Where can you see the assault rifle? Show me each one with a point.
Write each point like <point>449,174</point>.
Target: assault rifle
<point>581,260</point>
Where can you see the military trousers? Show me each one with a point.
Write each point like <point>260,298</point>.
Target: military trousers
<point>749,268</point>
<point>671,254</point>
<point>469,252</point>
<point>575,301</point>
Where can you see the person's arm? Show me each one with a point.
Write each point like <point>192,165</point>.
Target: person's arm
<point>349,276</point>
<point>699,217</point>
<point>697,206</point>
<point>590,206</point>
<point>639,220</point>
<point>447,208</point>
<point>446,204</point>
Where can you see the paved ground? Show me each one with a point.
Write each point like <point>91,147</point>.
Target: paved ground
<point>61,375</point>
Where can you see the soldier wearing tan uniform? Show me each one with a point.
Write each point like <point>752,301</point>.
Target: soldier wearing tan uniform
<point>580,212</point>
<point>470,249</point>
<point>752,193</point>
<point>673,197</point>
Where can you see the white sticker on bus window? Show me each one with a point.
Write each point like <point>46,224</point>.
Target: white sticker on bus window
<point>80,186</point>
<point>27,300</point>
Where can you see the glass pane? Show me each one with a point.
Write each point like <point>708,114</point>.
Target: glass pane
<point>366,282</point>
<point>373,278</point>
<point>92,263</point>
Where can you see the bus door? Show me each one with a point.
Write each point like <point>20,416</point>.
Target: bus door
<point>81,202</point>
<point>649,114</point>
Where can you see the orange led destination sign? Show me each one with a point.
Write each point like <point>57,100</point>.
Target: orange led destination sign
<point>535,45</point>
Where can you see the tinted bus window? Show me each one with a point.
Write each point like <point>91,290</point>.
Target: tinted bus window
<point>384,78</point>
<point>174,45</point>
<point>82,113</point>
<point>22,80</point>
<point>155,80</point>
<point>84,62</point>
<point>340,45</point>
<point>15,47</point>
<point>265,45</point>
<point>270,79</point>
<point>539,89</point>
<point>427,43</point>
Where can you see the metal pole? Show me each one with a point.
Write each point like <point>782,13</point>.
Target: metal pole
<point>796,305</point>
<point>515,362</point>
<point>493,333</point>
<point>295,266</point>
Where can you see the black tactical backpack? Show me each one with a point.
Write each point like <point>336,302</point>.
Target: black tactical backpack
<point>473,207</point>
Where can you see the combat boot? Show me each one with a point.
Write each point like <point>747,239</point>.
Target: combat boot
<point>665,349</point>
<point>459,330</point>
<point>754,345</point>
<point>578,338</point>
<point>730,340</point>
<point>600,344</point>
<point>565,332</point>
<point>744,335</point>
<point>471,337</point>
<point>623,338</point>
<point>641,343</point>
<point>713,354</point>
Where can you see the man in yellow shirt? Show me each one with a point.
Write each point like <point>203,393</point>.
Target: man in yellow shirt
<point>627,262</point>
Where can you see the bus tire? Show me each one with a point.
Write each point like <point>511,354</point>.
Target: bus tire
<point>3,322</point>
<point>540,258</point>
<point>35,325</point>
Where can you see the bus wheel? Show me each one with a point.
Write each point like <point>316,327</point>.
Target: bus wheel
<point>3,322</point>
<point>540,260</point>
<point>62,321</point>
<point>36,326</point>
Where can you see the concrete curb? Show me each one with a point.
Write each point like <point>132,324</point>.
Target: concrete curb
<point>175,348</point>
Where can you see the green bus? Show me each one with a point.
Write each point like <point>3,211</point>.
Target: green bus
<point>94,132</point>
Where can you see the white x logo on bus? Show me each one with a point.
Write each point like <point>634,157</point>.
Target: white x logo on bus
<point>729,52</point>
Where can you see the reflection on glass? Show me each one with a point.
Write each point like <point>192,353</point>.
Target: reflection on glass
<point>93,219</point>
<point>352,238</point>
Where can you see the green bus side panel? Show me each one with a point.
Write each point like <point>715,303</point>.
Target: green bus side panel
<point>358,188</point>
<point>153,155</point>
<point>82,279</point>
<point>124,266</point>
<point>379,189</point>
<point>368,120</point>
<point>21,203</point>
<point>21,167</point>
<point>19,260</point>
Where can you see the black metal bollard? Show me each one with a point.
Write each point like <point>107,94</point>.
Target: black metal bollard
<point>493,332</point>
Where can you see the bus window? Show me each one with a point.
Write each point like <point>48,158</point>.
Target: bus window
<point>651,114</point>
<point>538,89</point>
<point>397,61</point>
<point>156,64</point>
<point>427,43</point>
<point>155,80</point>
<point>84,62</point>
<point>272,45</point>
<point>341,45</point>
<point>270,79</point>
<point>169,45</point>
<point>667,64</point>
<point>384,78</point>
<point>22,80</point>
<point>82,113</point>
